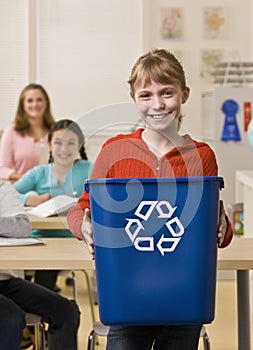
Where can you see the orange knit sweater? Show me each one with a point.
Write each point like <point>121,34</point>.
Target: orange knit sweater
<point>128,156</point>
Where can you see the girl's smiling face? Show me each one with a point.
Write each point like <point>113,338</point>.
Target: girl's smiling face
<point>64,147</point>
<point>160,105</point>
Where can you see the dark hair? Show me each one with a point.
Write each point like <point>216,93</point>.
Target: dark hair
<point>70,125</point>
<point>21,120</point>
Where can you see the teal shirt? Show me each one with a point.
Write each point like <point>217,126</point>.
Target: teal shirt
<point>42,180</point>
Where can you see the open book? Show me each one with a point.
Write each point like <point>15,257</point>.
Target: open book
<point>56,205</point>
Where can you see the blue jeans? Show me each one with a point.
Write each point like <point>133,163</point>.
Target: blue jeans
<point>18,296</point>
<point>160,337</point>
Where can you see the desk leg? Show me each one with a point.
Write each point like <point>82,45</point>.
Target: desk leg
<point>243,309</point>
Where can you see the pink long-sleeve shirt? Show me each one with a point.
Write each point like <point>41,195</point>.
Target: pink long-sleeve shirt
<point>18,153</point>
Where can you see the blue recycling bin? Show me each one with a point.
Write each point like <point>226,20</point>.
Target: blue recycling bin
<point>155,249</point>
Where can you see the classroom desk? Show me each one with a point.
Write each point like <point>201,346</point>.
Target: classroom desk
<point>71,254</point>
<point>56,254</point>
<point>238,256</point>
<point>50,223</point>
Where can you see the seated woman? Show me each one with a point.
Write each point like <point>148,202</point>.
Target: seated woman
<point>18,296</point>
<point>64,174</point>
<point>29,130</point>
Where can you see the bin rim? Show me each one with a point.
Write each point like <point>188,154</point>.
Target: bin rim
<point>153,180</point>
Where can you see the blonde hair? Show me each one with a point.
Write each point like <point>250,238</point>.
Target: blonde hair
<point>21,120</point>
<point>162,67</point>
<point>158,65</point>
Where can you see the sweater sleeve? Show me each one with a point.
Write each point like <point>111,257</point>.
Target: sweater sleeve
<point>26,185</point>
<point>209,163</point>
<point>75,219</point>
<point>229,235</point>
<point>14,221</point>
<point>75,214</point>
<point>17,226</point>
<point>210,168</point>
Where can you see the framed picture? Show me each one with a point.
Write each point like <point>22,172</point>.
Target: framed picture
<point>216,23</point>
<point>171,23</point>
<point>209,58</point>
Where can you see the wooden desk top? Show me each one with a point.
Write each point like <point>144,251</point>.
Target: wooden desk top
<point>71,254</point>
<point>237,256</point>
<point>58,253</point>
<point>50,223</point>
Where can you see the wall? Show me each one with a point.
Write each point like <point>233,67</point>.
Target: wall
<point>14,56</point>
<point>82,51</point>
<point>86,50</point>
<point>190,47</point>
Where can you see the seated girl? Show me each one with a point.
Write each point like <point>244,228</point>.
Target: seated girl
<point>65,173</point>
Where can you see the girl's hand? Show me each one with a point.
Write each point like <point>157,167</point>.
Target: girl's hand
<point>86,230</point>
<point>33,201</point>
<point>222,225</point>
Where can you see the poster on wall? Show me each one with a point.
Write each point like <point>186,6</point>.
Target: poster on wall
<point>216,23</point>
<point>209,58</point>
<point>171,23</point>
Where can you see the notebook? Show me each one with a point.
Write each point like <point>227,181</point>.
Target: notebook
<point>5,242</point>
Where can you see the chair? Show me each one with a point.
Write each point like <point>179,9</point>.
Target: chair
<point>39,330</point>
<point>99,329</point>
<point>206,340</point>
<point>72,278</point>
<point>37,323</point>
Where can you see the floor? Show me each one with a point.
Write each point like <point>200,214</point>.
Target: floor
<point>222,332</point>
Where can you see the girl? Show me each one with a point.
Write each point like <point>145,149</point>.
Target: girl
<point>64,174</point>
<point>22,142</point>
<point>158,86</point>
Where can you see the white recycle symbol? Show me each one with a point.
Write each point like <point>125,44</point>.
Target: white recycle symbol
<point>164,210</point>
